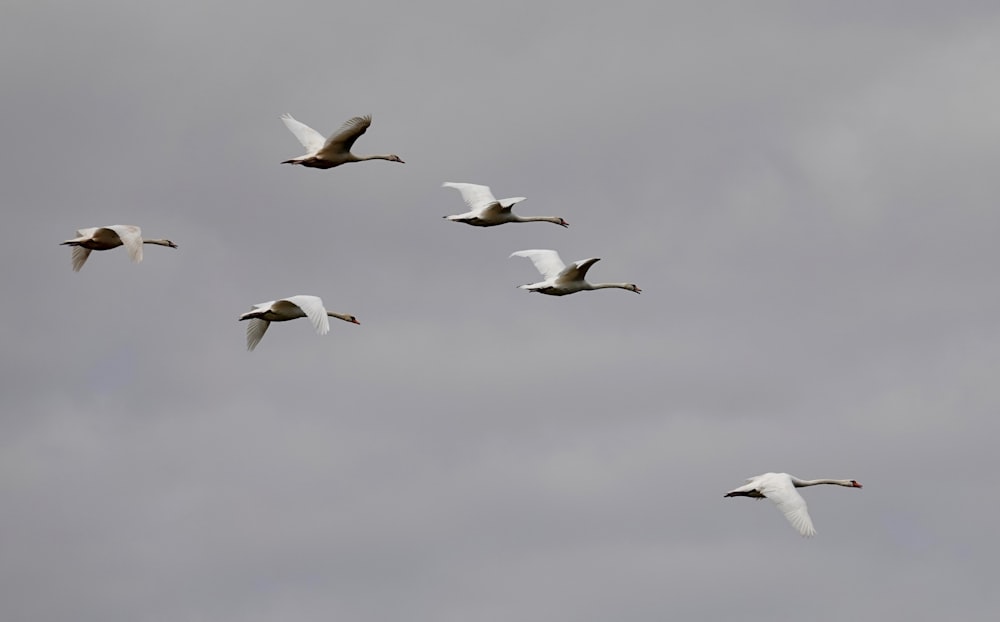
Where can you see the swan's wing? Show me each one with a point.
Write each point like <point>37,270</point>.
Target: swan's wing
<point>491,211</point>
<point>577,271</point>
<point>476,197</point>
<point>546,261</point>
<point>256,328</point>
<point>312,306</point>
<point>782,493</point>
<point>131,237</point>
<point>310,138</point>
<point>506,204</point>
<point>343,139</point>
<point>80,255</point>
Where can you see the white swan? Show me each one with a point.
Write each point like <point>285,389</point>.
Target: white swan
<point>284,309</point>
<point>487,211</point>
<point>106,238</point>
<point>560,279</point>
<point>780,489</point>
<point>333,151</point>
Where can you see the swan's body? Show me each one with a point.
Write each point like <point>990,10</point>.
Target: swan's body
<point>780,489</point>
<point>106,238</point>
<point>291,308</point>
<point>487,211</point>
<point>561,279</point>
<point>332,151</point>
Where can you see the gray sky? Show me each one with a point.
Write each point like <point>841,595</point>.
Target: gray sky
<point>804,191</point>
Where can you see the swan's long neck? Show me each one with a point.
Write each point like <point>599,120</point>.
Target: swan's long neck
<point>552,219</point>
<point>802,483</point>
<point>160,243</point>
<point>387,156</point>
<point>347,317</point>
<point>627,286</point>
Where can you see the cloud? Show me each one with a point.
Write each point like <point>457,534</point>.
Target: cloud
<point>804,195</point>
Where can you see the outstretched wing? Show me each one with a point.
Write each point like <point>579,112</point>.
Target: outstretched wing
<point>131,237</point>
<point>343,139</point>
<point>312,306</point>
<point>477,197</point>
<point>577,271</point>
<point>480,198</point>
<point>256,328</point>
<point>80,255</point>
<point>782,493</point>
<point>546,261</point>
<point>310,138</point>
<point>506,204</point>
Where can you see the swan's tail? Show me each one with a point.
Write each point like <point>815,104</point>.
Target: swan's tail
<point>753,494</point>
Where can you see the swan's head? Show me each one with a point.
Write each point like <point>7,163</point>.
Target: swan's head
<point>395,158</point>
<point>169,243</point>
<point>856,484</point>
<point>562,223</point>
<point>632,287</point>
<point>352,320</point>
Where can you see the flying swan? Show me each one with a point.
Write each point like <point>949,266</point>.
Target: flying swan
<point>487,211</point>
<point>285,309</point>
<point>333,151</point>
<point>106,238</point>
<point>780,489</point>
<point>561,279</point>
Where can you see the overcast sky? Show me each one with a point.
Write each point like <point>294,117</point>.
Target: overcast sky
<point>805,192</point>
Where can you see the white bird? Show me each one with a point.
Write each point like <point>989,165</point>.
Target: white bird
<point>780,489</point>
<point>487,211</point>
<point>291,308</point>
<point>333,151</point>
<point>560,279</point>
<point>106,238</point>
